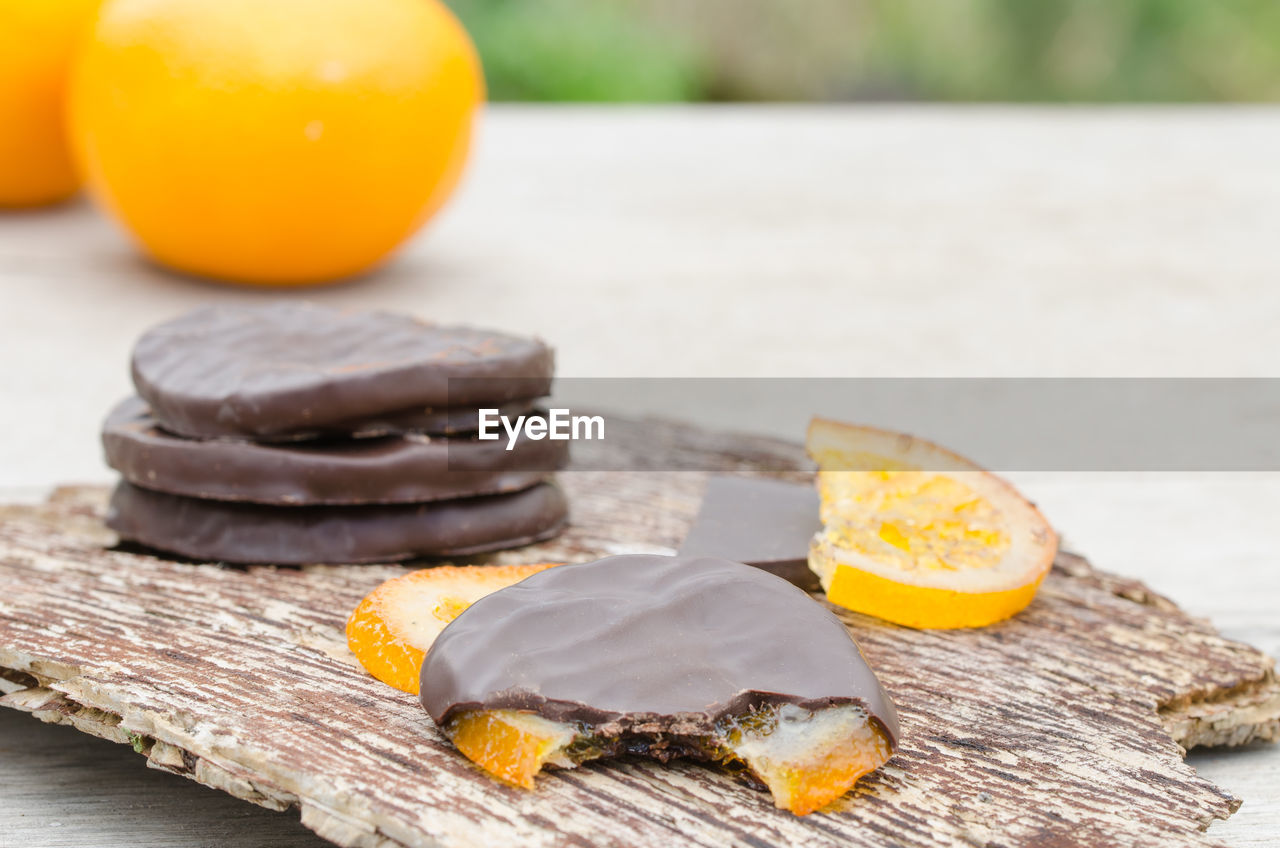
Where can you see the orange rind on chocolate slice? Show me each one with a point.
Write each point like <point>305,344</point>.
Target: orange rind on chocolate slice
<point>805,758</point>
<point>391,629</point>
<point>511,745</point>
<point>809,758</point>
<point>662,657</point>
<point>919,536</point>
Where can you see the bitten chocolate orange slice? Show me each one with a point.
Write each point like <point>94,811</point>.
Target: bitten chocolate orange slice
<point>665,657</point>
<point>919,536</point>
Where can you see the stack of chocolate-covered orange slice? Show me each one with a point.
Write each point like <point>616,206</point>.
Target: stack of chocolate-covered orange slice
<point>294,433</point>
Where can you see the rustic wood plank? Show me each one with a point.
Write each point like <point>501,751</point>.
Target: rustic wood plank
<point>1063,724</point>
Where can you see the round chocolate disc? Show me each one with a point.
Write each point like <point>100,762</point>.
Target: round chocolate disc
<point>632,639</point>
<point>445,421</point>
<point>392,469</point>
<point>292,368</point>
<point>296,535</point>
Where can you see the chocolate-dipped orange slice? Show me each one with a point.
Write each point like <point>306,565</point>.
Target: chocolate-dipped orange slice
<point>665,657</point>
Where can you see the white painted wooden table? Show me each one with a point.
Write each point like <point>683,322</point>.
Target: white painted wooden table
<point>782,241</point>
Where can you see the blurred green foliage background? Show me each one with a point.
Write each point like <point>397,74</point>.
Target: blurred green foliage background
<point>950,50</point>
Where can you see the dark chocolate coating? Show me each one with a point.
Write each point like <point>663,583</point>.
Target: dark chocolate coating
<point>445,421</point>
<point>393,469</point>
<point>630,640</point>
<point>291,368</point>
<point>296,535</point>
<point>765,523</point>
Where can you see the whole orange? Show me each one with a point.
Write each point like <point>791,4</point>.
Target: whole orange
<point>274,141</point>
<point>37,38</point>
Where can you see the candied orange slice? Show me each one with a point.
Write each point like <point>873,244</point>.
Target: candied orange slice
<point>810,758</point>
<point>919,536</point>
<point>392,628</point>
<point>512,746</point>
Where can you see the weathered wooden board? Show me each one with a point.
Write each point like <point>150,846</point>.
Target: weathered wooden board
<point>1060,727</point>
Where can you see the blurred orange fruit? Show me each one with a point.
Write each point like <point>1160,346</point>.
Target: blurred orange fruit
<point>37,40</point>
<point>285,142</point>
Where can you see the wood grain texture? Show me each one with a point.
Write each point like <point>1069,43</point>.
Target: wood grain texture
<point>1059,727</point>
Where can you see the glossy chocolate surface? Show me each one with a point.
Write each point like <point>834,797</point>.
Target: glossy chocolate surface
<point>294,535</point>
<point>294,368</point>
<point>443,421</point>
<point>760,522</point>
<point>392,469</point>
<point>672,643</point>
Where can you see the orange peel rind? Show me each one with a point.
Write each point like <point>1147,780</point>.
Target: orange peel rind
<point>806,758</point>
